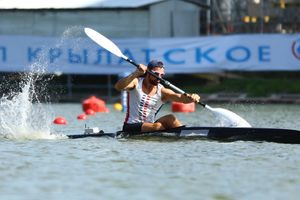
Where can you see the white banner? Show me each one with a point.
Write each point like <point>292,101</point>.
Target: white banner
<point>260,52</point>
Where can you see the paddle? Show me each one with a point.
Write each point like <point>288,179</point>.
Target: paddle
<point>223,114</point>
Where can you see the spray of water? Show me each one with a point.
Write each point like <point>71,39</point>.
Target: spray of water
<point>227,118</point>
<point>25,109</point>
<point>22,115</point>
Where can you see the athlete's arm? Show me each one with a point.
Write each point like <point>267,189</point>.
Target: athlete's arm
<point>131,80</point>
<point>170,95</point>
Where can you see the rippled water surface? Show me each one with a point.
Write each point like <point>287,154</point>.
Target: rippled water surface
<point>103,168</point>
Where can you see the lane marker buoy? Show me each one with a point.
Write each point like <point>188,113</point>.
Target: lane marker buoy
<point>90,112</point>
<point>118,107</point>
<point>60,120</point>
<point>82,116</point>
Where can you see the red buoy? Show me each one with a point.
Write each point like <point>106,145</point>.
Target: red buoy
<point>60,120</point>
<point>94,103</point>
<point>181,107</point>
<point>81,116</point>
<point>90,112</point>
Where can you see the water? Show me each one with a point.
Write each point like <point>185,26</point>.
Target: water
<point>104,168</point>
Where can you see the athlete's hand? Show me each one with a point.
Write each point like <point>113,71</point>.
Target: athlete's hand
<point>141,70</point>
<point>194,97</point>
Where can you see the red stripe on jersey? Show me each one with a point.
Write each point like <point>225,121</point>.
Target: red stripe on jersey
<point>145,107</point>
<point>128,108</point>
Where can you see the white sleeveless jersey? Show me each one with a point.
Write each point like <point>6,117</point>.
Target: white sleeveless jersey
<point>142,107</point>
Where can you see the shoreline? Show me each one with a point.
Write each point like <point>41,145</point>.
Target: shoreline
<point>243,98</point>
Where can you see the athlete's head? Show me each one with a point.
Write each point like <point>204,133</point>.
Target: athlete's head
<point>157,67</point>
<point>155,63</point>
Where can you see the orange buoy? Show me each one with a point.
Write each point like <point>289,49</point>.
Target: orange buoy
<point>94,103</point>
<point>182,107</point>
<point>60,120</point>
<point>90,112</point>
<point>81,116</point>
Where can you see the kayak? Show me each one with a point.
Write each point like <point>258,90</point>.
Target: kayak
<point>211,133</point>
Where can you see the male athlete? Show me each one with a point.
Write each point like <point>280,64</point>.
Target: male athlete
<point>146,96</point>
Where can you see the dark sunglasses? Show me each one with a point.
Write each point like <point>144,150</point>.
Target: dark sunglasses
<point>158,74</point>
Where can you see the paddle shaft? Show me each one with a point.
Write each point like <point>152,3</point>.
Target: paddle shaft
<point>163,81</point>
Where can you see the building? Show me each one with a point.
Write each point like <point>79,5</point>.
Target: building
<point>254,16</point>
<point>116,19</point>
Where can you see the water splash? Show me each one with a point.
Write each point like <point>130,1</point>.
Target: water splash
<point>22,115</point>
<point>228,118</point>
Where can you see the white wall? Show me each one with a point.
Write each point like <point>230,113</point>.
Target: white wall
<point>166,19</point>
<point>174,19</point>
<point>118,24</point>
